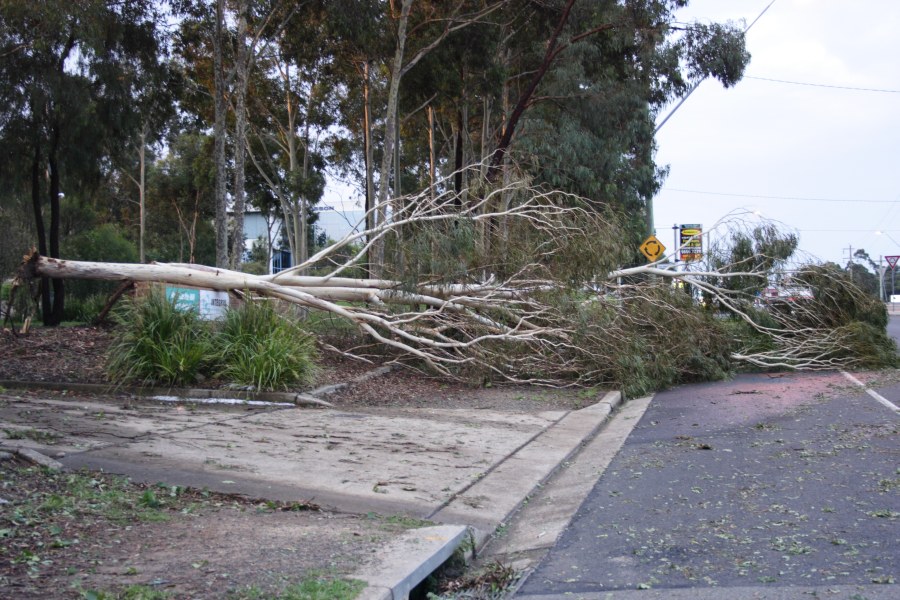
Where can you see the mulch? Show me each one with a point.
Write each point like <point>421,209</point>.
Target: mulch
<point>77,354</point>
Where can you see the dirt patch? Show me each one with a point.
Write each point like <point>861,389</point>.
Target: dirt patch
<point>78,355</point>
<point>65,534</point>
<point>187,542</point>
<point>63,354</point>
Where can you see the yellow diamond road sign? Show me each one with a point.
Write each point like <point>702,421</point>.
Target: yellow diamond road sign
<point>652,248</point>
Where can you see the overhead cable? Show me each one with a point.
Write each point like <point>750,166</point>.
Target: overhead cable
<point>824,85</point>
<point>798,198</point>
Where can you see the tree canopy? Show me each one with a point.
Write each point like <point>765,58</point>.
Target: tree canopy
<point>183,112</point>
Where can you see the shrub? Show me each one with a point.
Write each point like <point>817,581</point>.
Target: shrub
<point>85,310</point>
<point>157,343</point>
<point>258,347</point>
<point>105,243</point>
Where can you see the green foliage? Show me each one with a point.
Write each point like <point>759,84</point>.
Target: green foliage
<point>640,342</point>
<point>869,346</point>
<point>131,592</point>
<point>665,339</point>
<point>745,337</point>
<point>180,202</point>
<point>157,343</point>
<point>258,347</point>
<point>762,250</point>
<point>838,301</point>
<point>85,310</point>
<point>105,243</point>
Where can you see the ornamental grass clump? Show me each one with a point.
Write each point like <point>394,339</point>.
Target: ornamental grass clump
<point>258,347</point>
<point>156,343</point>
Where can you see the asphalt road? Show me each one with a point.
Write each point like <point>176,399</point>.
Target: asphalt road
<point>768,486</point>
<point>893,328</point>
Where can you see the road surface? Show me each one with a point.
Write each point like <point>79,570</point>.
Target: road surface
<point>767,486</point>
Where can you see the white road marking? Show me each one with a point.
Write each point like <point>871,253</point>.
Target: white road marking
<point>872,392</point>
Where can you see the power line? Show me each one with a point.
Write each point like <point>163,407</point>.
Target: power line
<point>797,198</point>
<point>824,85</point>
<point>845,230</point>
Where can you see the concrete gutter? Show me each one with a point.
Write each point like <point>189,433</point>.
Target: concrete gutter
<point>491,501</point>
<point>407,560</point>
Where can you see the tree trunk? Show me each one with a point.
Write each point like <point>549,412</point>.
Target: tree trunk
<point>219,133</point>
<point>390,126</point>
<point>141,199</point>
<point>431,153</point>
<point>370,167</point>
<point>56,315</point>
<point>242,68</point>
<point>37,206</point>
<point>522,103</point>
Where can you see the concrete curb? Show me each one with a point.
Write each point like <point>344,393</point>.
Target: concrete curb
<point>38,458</point>
<point>404,567</point>
<point>407,560</point>
<point>536,529</point>
<point>496,498</point>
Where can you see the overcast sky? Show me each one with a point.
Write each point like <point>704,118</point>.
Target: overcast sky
<point>798,144</point>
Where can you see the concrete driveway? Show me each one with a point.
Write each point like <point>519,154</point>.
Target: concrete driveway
<point>468,467</point>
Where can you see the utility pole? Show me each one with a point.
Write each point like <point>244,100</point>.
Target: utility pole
<point>651,230</point>
<point>849,250</point>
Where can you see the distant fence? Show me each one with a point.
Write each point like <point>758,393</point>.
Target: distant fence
<point>893,308</point>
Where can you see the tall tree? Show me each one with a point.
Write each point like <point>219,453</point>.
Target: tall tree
<point>78,67</point>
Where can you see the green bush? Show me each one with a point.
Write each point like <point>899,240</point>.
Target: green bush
<point>258,347</point>
<point>85,310</point>
<point>105,243</point>
<point>157,343</point>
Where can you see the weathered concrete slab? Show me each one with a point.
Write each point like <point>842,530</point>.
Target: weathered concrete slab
<point>407,560</point>
<point>78,424</point>
<point>492,499</point>
<point>403,460</point>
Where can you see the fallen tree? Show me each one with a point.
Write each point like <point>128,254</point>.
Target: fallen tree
<point>522,285</point>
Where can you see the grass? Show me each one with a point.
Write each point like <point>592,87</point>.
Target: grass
<point>49,511</point>
<point>132,592</point>
<point>312,587</point>
<point>43,437</point>
<point>259,347</point>
<point>404,521</point>
<point>53,522</point>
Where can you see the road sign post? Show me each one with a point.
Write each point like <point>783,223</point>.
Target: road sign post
<point>892,261</point>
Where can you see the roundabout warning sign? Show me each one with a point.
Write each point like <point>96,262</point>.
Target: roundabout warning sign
<point>652,248</point>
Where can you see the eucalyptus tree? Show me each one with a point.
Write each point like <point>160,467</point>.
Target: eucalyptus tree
<point>72,72</point>
<point>586,94</point>
<point>220,43</point>
<point>568,91</point>
<point>294,103</point>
